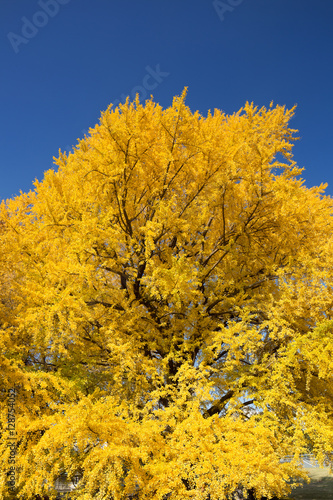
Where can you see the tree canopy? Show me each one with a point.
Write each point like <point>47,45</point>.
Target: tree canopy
<point>166,309</point>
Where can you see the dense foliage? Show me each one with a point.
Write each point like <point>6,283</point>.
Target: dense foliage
<point>166,309</point>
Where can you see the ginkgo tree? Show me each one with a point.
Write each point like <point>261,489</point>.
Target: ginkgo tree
<point>166,310</point>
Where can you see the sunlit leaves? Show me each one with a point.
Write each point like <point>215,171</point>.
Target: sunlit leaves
<point>166,305</point>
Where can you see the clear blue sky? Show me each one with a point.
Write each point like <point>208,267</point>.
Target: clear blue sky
<point>64,61</point>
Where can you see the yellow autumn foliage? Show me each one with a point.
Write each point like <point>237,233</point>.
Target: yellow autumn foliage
<point>166,310</point>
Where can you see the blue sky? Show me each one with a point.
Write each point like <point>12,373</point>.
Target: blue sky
<point>64,61</point>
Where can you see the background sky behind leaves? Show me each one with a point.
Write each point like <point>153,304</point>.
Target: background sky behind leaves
<point>64,61</point>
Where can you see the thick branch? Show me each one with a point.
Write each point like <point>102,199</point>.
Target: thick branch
<point>219,405</point>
